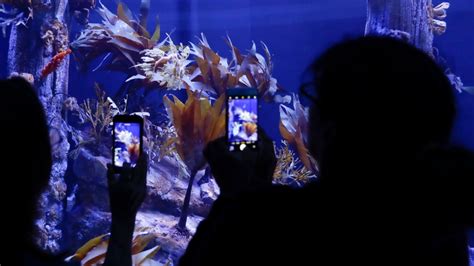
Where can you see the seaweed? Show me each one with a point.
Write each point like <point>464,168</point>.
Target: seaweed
<point>214,74</point>
<point>168,66</point>
<point>97,113</point>
<point>289,169</point>
<point>197,122</point>
<point>118,36</point>
<point>159,140</point>
<point>294,126</point>
<point>93,252</point>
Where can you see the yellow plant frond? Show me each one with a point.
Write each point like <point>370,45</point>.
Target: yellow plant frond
<point>141,241</point>
<point>156,34</point>
<point>122,15</point>
<point>140,258</point>
<point>197,122</point>
<point>94,251</point>
<point>82,251</point>
<point>96,255</point>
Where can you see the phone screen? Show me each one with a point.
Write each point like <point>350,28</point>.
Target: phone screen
<point>242,119</point>
<point>127,143</point>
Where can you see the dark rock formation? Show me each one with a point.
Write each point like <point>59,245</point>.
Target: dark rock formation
<point>159,213</point>
<point>29,52</point>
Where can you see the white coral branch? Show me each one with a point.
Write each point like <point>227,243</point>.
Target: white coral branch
<point>438,14</point>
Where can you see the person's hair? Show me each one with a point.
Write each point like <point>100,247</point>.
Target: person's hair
<point>26,164</point>
<point>379,86</point>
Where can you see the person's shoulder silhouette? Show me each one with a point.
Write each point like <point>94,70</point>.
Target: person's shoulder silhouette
<point>25,165</point>
<point>380,127</point>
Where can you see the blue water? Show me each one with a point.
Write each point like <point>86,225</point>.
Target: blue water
<point>295,31</point>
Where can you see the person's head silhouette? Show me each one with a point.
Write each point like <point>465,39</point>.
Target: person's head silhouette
<point>26,162</point>
<point>380,127</point>
<point>377,97</point>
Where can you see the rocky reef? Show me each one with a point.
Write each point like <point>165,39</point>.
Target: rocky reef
<point>89,214</point>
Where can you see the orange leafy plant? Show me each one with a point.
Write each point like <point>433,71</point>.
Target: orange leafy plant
<point>94,251</point>
<point>294,125</point>
<point>197,123</point>
<point>213,73</point>
<point>119,36</point>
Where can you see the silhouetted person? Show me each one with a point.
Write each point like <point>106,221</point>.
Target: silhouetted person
<point>391,191</point>
<point>26,165</point>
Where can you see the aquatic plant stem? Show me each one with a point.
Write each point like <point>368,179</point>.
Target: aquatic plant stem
<point>185,209</point>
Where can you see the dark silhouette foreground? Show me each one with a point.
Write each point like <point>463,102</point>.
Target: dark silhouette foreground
<point>391,191</point>
<point>26,165</point>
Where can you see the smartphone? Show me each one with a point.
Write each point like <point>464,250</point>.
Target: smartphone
<point>242,118</point>
<point>127,139</point>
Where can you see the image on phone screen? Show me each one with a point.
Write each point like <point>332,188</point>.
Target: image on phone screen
<point>242,119</point>
<point>126,143</point>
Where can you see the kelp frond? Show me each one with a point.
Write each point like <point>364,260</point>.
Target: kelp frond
<point>94,251</point>
<point>97,113</point>
<point>118,34</point>
<point>215,74</point>
<point>294,126</point>
<point>197,122</point>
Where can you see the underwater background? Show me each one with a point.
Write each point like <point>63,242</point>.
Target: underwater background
<point>295,32</point>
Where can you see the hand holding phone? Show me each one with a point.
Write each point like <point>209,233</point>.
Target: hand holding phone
<point>127,140</point>
<point>242,118</point>
<point>235,172</point>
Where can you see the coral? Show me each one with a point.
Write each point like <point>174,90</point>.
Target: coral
<point>456,81</point>
<point>294,126</point>
<point>48,37</point>
<point>165,64</point>
<point>437,16</point>
<point>54,63</point>
<point>26,76</point>
<point>98,113</point>
<point>289,169</point>
<point>55,35</point>
<point>159,141</point>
